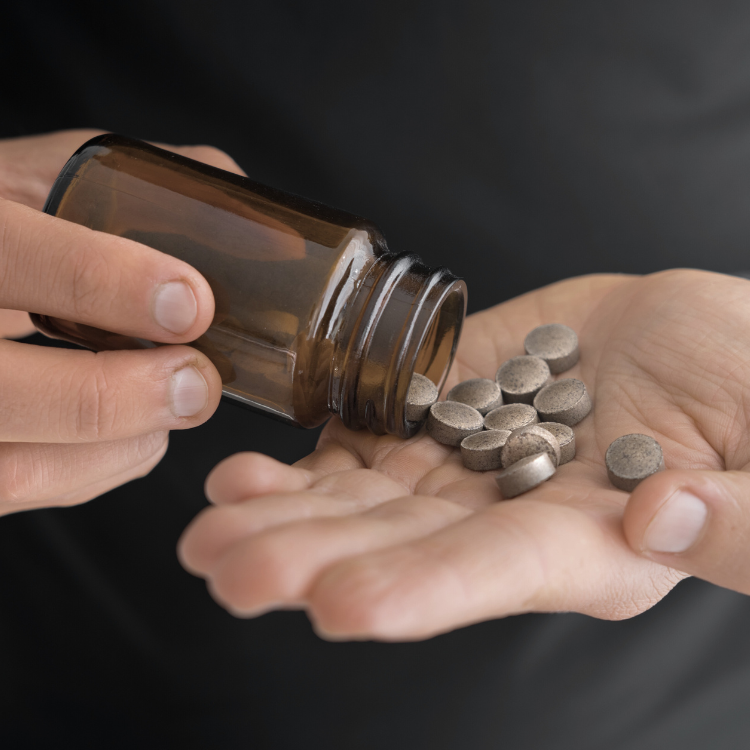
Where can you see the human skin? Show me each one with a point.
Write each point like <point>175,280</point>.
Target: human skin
<point>74,424</point>
<point>378,537</point>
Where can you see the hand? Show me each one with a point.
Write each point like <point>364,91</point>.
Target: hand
<point>74,424</point>
<point>391,539</point>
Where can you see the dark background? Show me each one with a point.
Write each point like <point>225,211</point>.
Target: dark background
<point>515,142</point>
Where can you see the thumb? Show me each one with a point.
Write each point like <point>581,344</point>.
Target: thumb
<point>695,521</point>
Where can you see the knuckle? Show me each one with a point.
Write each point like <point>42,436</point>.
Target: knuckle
<point>30,474</point>
<point>99,411</point>
<point>213,156</point>
<point>270,553</point>
<point>655,586</point>
<point>146,469</point>
<point>148,452</point>
<point>220,484</point>
<point>150,445</point>
<point>198,548</point>
<point>18,478</point>
<point>206,153</point>
<point>351,600</point>
<point>228,589</point>
<point>90,274</point>
<point>622,610</point>
<point>7,234</point>
<point>11,240</point>
<point>232,586</point>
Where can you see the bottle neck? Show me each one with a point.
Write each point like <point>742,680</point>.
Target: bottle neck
<point>404,318</point>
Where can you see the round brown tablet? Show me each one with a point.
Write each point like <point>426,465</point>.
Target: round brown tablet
<point>529,441</point>
<point>423,393</point>
<point>565,437</point>
<point>521,378</point>
<point>482,394</point>
<point>449,422</point>
<point>566,401</point>
<point>556,344</point>
<point>482,450</point>
<point>524,475</point>
<point>632,458</point>
<point>511,417</point>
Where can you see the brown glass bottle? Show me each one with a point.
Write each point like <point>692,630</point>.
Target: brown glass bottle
<point>314,316</point>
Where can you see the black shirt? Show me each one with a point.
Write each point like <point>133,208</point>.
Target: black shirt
<point>515,142</point>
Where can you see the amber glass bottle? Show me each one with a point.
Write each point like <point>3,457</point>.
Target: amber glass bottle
<point>314,316</point>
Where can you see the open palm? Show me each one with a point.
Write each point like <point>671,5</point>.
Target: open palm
<point>392,539</point>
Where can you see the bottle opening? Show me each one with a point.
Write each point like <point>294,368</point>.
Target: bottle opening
<point>408,319</point>
<point>436,352</point>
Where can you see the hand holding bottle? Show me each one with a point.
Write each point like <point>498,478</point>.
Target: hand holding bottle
<point>383,538</point>
<point>74,424</point>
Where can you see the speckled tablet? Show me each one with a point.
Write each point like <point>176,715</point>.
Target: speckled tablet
<point>632,458</point>
<point>565,437</point>
<point>482,451</point>
<point>482,394</point>
<point>566,401</point>
<point>423,393</point>
<point>521,378</point>
<point>524,475</point>
<point>529,441</point>
<point>511,417</point>
<point>556,344</point>
<point>449,422</point>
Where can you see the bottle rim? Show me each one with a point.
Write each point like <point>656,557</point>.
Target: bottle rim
<point>399,306</point>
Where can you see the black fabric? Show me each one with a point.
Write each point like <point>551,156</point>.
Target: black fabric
<point>515,142</point>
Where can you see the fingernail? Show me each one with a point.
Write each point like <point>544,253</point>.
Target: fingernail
<point>175,308</point>
<point>677,524</point>
<point>189,392</point>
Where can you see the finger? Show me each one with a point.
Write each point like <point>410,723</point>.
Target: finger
<point>420,465</point>
<point>216,529</point>
<point>694,521</point>
<point>15,324</point>
<point>68,396</point>
<point>29,165</point>
<point>54,267</point>
<point>208,155</point>
<point>407,461</point>
<point>517,556</point>
<point>286,559</point>
<point>247,475</point>
<point>38,476</point>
